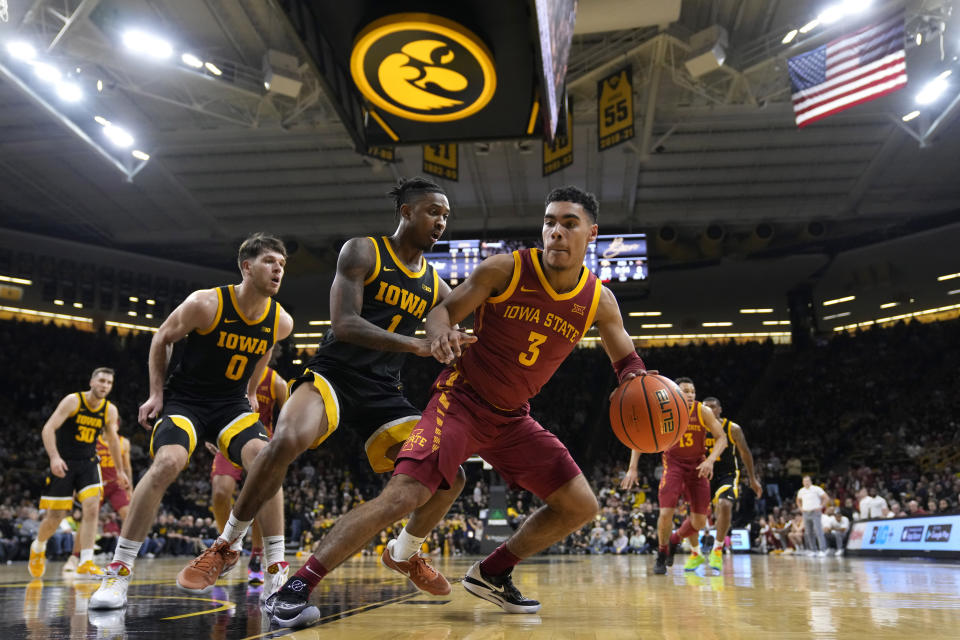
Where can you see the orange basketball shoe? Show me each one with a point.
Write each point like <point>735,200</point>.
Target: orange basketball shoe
<point>417,568</point>
<point>38,563</point>
<point>201,574</point>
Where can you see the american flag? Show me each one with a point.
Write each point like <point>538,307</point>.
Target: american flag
<point>857,68</point>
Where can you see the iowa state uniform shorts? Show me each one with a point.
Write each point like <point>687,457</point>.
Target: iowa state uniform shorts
<point>726,487</point>
<point>458,423</point>
<point>229,424</point>
<point>82,478</point>
<point>223,467</point>
<point>116,495</point>
<point>367,405</point>
<point>681,478</point>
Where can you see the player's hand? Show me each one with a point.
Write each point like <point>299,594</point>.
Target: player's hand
<point>755,485</point>
<point>447,346</point>
<point>123,480</point>
<point>629,479</point>
<point>149,411</point>
<point>254,403</point>
<point>632,375</point>
<point>705,469</point>
<point>212,448</point>
<point>421,347</point>
<point>58,467</point>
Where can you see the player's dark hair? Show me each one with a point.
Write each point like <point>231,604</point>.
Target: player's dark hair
<point>409,189</point>
<point>578,196</point>
<point>99,370</point>
<point>257,244</point>
<point>680,381</point>
<point>711,400</point>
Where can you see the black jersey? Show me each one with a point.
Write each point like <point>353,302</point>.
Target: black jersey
<point>395,299</point>
<point>77,437</point>
<point>218,361</point>
<point>729,462</point>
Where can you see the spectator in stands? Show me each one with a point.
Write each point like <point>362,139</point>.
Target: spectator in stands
<point>871,505</point>
<point>835,528</point>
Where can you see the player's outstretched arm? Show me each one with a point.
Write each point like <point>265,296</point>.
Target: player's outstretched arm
<point>705,468</point>
<point>356,263</point>
<point>630,478</point>
<point>284,328</point>
<point>491,277</point>
<point>198,311</point>
<point>48,434</point>
<point>113,444</point>
<point>741,443</point>
<point>616,341</point>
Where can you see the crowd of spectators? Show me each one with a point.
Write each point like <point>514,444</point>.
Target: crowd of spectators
<point>855,412</point>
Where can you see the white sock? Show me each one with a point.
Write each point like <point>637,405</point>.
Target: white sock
<point>234,532</point>
<point>405,546</point>
<point>273,549</point>
<point>38,547</point>
<point>86,555</point>
<point>126,551</point>
<point>718,544</point>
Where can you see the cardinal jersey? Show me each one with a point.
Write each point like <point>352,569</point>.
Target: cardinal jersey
<point>218,361</point>
<point>266,399</point>
<point>526,332</point>
<point>395,299</point>
<point>76,438</point>
<point>728,463</point>
<point>108,467</point>
<point>692,446</point>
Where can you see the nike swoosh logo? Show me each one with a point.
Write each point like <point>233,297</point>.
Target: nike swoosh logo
<point>525,290</point>
<point>389,269</point>
<point>228,321</point>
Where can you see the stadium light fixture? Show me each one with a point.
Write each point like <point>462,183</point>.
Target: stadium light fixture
<point>953,293</point>
<point>843,314</point>
<point>756,310</point>
<point>770,323</point>
<point>831,14</point>
<point>78,305</point>
<point>147,44</point>
<point>910,116</point>
<point>212,68</point>
<point>13,280</point>
<point>887,305</point>
<point>58,302</point>
<point>919,38</point>
<point>810,26</point>
<point>949,276</point>
<point>21,50</point>
<point>69,92</point>
<point>319,322</point>
<point>662,325</point>
<point>933,89</point>
<point>643,314</point>
<point>717,324</point>
<point>144,156</point>
<point>827,303</point>
<point>191,60</point>
<point>118,136</point>
<point>787,39</point>
<point>47,72</point>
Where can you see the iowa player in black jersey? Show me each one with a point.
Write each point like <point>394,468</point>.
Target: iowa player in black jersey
<point>381,293</point>
<point>70,438</point>
<point>210,395</point>
<point>726,478</point>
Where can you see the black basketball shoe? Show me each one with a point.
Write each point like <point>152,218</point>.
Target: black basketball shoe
<point>660,566</point>
<point>499,590</point>
<point>673,550</point>
<point>289,606</point>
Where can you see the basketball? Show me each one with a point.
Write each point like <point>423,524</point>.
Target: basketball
<point>648,413</point>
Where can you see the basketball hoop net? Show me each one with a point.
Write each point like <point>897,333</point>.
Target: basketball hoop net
<point>4,14</point>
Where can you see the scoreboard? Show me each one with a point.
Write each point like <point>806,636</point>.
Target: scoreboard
<point>614,258</point>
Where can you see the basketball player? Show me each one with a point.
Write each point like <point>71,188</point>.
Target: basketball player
<point>225,476</point>
<point>115,493</point>
<point>532,308</point>
<point>726,478</point>
<point>687,470</point>
<point>69,436</point>
<point>382,290</point>
<point>229,331</point>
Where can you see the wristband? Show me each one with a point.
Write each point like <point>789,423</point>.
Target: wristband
<point>630,364</point>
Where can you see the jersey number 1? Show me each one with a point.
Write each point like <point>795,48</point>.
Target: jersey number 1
<point>528,357</point>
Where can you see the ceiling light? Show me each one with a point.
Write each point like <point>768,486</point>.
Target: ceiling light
<point>910,116</point>
<point>933,89</point>
<point>663,325</point>
<point>99,86</point>
<point>132,314</point>
<point>831,14</point>
<point>717,324</point>
<point>949,276</point>
<point>191,60</point>
<point>319,322</point>
<point>919,38</point>
<point>756,310</point>
<point>148,316</point>
<point>15,280</point>
<point>140,155</point>
<point>100,120</point>
<point>46,72</point>
<point>827,303</point>
<point>147,44</point>
<point>78,305</point>
<point>134,299</point>
<point>775,322</point>
<point>638,314</point>
<point>212,68</point>
<point>953,293</point>
<point>59,303</point>
<point>887,305</point>
<point>21,50</point>
<point>787,39</point>
<point>810,26</point>
<point>118,136</point>
<point>69,92</point>
<point>837,315</point>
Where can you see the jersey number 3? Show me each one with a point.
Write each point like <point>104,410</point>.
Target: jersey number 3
<point>528,357</point>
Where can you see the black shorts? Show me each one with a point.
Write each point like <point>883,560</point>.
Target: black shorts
<point>230,424</point>
<point>726,487</point>
<point>82,479</point>
<point>369,405</point>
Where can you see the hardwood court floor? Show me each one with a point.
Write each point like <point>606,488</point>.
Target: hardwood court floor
<point>583,597</point>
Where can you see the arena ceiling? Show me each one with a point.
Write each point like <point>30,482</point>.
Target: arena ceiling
<point>228,157</point>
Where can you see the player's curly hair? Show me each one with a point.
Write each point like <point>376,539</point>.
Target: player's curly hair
<point>578,196</point>
<point>408,189</point>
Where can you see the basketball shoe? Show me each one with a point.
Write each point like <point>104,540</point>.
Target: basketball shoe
<point>71,564</point>
<point>276,576</point>
<point>89,570</point>
<point>660,566</point>
<point>716,560</point>
<point>202,573</point>
<point>694,561</point>
<point>418,569</point>
<point>499,590</point>
<point>38,562</point>
<point>255,569</point>
<point>112,593</point>
<point>290,608</point>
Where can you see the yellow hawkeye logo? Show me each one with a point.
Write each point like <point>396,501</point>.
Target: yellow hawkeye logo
<point>423,67</point>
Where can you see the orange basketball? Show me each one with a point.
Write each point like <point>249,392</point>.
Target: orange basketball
<point>648,413</point>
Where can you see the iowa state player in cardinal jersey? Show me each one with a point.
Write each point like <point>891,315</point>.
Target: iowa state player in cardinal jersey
<point>533,307</point>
